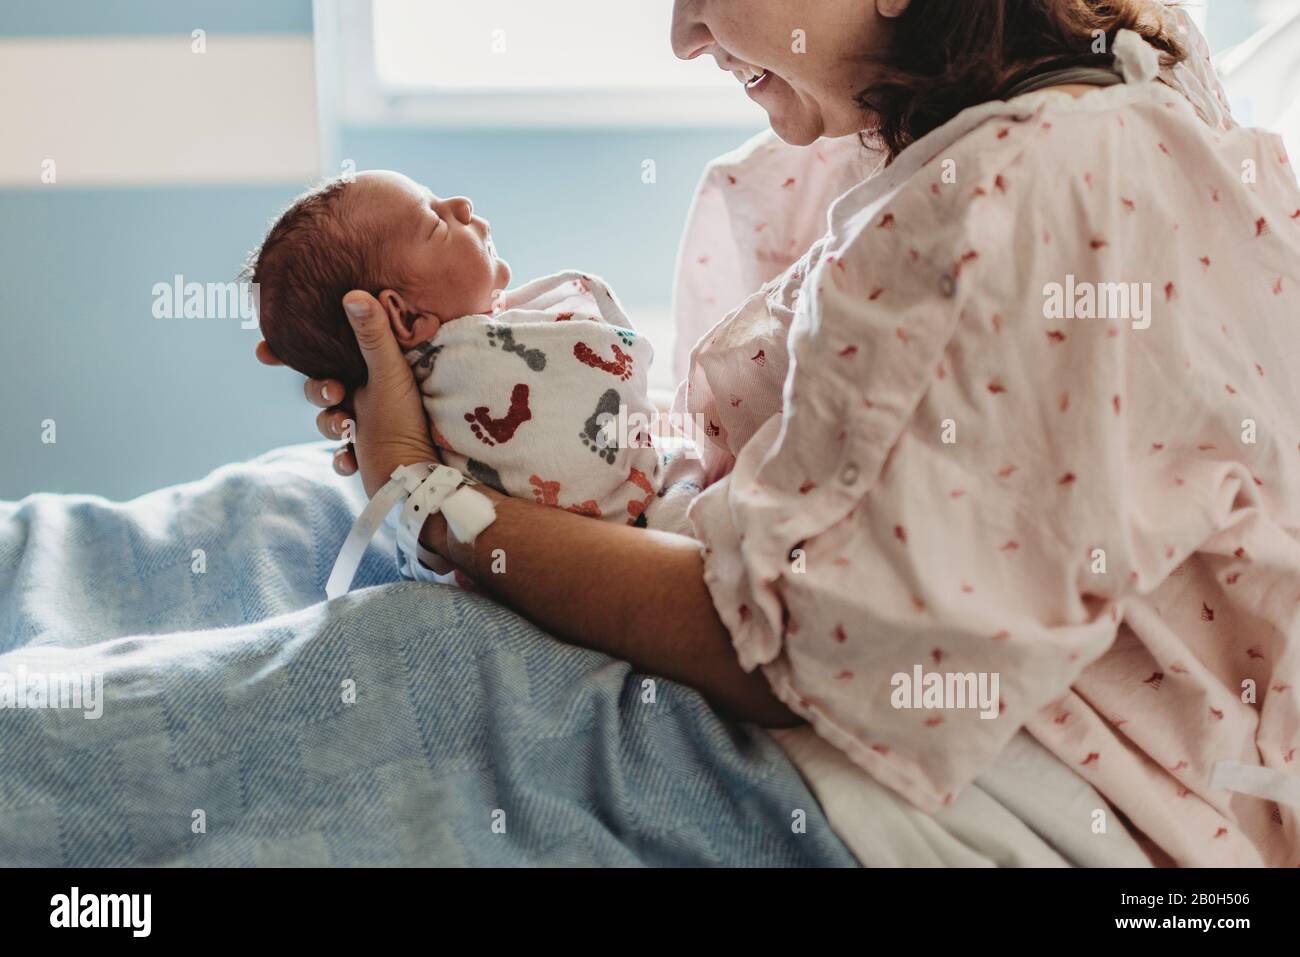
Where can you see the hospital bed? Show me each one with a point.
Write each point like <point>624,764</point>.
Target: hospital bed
<point>244,720</point>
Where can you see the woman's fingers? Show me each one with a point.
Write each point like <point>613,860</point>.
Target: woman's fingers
<point>332,422</point>
<point>892,8</point>
<point>345,461</point>
<point>326,425</point>
<point>265,355</point>
<point>335,424</point>
<point>323,393</point>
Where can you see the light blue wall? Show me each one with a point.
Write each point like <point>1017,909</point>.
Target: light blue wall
<point>138,403</point>
<point>72,18</point>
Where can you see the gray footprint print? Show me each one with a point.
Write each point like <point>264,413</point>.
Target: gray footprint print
<point>605,446</point>
<point>486,474</point>
<point>502,335</point>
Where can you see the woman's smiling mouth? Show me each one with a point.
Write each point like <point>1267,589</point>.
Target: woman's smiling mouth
<point>749,76</point>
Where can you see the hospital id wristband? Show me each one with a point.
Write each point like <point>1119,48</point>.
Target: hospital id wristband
<point>425,489</point>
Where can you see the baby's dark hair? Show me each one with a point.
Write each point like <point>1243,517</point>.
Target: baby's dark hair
<point>312,256</point>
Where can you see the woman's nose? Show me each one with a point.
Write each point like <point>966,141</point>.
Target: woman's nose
<point>690,35</point>
<point>462,208</point>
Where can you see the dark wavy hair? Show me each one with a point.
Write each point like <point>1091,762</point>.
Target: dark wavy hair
<point>948,55</point>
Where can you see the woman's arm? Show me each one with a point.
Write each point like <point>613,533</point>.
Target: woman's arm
<point>634,593</point>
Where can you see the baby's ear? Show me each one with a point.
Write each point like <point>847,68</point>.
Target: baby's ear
<point>410,326</point>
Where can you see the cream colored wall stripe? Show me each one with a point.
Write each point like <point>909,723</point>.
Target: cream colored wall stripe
<point>150,111</point>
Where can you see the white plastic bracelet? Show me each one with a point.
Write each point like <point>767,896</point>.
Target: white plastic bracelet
<point>426,489</point>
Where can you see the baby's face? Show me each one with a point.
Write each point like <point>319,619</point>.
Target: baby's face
<point>440,252</point>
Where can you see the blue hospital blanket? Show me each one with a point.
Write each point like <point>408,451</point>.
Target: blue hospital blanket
<point>246,721</point>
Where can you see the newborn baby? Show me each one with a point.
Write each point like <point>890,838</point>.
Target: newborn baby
<point>529,391</point>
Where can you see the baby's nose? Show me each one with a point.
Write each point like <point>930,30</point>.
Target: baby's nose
<point>462,208</point>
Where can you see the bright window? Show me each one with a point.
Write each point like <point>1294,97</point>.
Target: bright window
<point>526,63</point>
<point>1257,51</point>
<point>526,44</point>
<point>1229,22</point>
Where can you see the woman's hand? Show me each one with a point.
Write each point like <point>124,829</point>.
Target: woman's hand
<point>391,429</point>
<point>329,395</point>
<point>387,424</point>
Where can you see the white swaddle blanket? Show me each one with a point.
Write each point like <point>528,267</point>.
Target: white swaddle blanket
<point>547,399</point>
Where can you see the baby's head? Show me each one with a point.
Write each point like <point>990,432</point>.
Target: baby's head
<point>427,260</point>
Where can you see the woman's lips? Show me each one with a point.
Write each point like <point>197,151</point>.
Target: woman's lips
<point>749,75</point>
<point>759,83</point>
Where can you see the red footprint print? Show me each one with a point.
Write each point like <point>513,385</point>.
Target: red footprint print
<point>491,431</point>
<point>621,366</point>
<point>548,493</point>
<point>636,509</point>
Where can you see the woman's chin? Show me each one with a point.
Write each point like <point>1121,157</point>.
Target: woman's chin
<point>794,118</point>
<point>795,131</point>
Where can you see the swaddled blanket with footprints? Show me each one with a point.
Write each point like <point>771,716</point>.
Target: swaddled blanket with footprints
<point>547,399</point>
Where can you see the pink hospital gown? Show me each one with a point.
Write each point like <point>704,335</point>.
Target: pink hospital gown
<point>921,455</point>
